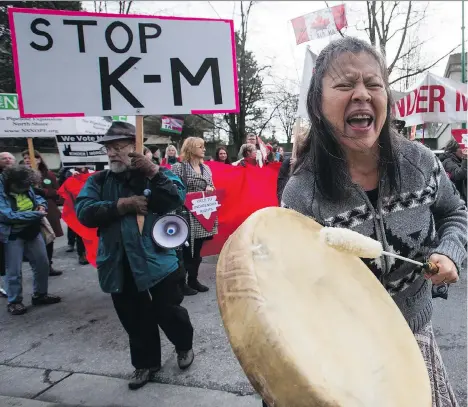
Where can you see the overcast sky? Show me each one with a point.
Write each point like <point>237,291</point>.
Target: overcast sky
<point>271,37</point>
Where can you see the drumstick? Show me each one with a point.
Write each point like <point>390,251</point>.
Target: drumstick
<point>359,245</point>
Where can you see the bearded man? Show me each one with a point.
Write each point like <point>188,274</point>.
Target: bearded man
<point>143,279</point>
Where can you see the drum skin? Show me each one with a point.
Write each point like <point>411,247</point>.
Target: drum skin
<point>312,326</point>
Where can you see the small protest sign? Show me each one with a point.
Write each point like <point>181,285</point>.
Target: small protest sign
<point>204,206</point>
<point>461,137</point>
<point>172,125</point>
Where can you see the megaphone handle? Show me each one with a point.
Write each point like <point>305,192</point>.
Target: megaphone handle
<point>141,218</point>
<point>141,222</point>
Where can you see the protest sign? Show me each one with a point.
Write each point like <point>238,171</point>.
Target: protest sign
<point>93,64</point>
<point>12,125</point>
<point>204,206</point>
<point>172,125</point>
<point>433,100</point>
<point>80,148</point>
<point>461,137</point>
<point>83,146</point>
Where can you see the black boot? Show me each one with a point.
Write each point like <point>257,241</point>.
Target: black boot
<point>193,277</point>
<point>187,290</point>
<point>196,285</point>
<point>83,260</point>
<point>54,272</point>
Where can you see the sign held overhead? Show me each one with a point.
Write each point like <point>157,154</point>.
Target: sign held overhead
<point>91,64</point>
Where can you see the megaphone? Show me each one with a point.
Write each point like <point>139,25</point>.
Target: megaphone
<point>170,231</point>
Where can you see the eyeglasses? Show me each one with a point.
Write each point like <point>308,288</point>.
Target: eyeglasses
<point>116,149</point>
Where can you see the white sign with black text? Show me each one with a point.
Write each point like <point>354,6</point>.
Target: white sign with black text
<point>92,64</point>
<point>12,125</point>
<point>81,148</point>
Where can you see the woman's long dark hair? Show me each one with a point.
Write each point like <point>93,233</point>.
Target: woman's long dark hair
<point>42,166</point>
<point>321,151</point>
<point>228,161</point>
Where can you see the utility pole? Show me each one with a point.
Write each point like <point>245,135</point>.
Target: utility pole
<point>463,59</point>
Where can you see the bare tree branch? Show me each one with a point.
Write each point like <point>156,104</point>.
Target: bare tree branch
<point>211,122</point>
<point>417,72</point>
<point>390,68</point>
<point>387,26</point>
<point>370,19</point>
<point>409,26</point>
<point>374,20</point>
<point>411,50</point>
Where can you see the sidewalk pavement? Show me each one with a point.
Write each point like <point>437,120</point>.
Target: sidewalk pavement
<point>76,353</point>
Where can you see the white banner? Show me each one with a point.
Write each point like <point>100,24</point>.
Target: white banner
<point>433,100</point>
<point>93,64</point>
<point>12,125</point>
<point>309,67</point>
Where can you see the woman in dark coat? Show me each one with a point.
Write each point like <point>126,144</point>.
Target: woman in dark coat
<point>48,189</point>
<point>455,164</point>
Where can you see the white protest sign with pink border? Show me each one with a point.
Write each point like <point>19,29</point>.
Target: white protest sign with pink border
<point>71,64</point>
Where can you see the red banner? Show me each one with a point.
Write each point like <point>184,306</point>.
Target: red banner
<point>241,191</point>
<point>69,191</point>
<point>246,190</point>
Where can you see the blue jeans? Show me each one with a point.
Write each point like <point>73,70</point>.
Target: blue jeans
<point>35,251</point>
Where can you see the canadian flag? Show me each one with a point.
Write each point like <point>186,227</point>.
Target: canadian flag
<point>320,24</point>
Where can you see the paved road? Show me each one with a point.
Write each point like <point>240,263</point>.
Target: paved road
<point>76,352</point>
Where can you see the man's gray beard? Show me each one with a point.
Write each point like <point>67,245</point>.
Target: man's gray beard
<point>118,167</point>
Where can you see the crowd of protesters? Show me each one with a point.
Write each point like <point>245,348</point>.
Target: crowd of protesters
<point>30,220</point>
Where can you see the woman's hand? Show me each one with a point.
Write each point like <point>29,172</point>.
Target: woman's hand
<point>41,209</point>
<point>447,270</point>
<point>209,189</point>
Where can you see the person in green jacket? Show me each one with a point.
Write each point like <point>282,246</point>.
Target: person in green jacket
<point>142,278</point>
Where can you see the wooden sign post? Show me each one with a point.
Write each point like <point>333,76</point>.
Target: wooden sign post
<point>32,156</point>
<point>139,149</point>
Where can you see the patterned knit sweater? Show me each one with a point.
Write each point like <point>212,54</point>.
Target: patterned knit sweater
<point>426,217</point>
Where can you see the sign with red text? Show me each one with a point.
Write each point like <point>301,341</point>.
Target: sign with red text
<point>204,206</point>
<point>96,64</point>
<point>433,100</point>
<point>461,137</point>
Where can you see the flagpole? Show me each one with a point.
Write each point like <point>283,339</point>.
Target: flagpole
<point>463,59</point>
